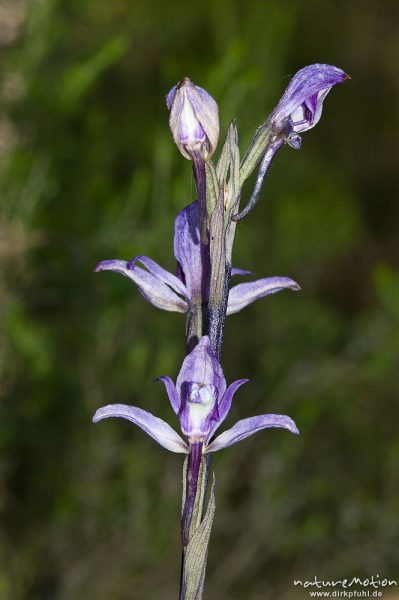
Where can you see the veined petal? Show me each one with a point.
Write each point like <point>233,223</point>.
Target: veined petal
<point>246,427</point>
<point>243,272</point>
<point>244,293</point>
<point>201,366</point>
<point>192,257</point>
<point>149,285</point>
<point>161,273</point>
<point>171,391</point>
<point>158,429</point>
<point>301,104</point>
<point>225,404</point>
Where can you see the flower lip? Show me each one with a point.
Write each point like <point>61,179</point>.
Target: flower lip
<point>199,393</point>
<point>200,385</point>
<point>199,410</point>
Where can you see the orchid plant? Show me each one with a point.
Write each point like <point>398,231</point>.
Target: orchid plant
<point>203,243</point>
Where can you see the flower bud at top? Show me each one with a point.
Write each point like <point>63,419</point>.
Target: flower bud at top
<point>194,119</point>
<point>301,106</point>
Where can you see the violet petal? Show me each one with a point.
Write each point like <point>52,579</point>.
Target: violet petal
<point>151,287</point>
<point>246,427</point>
<point>244,293</point>
<point>170,96</point>
<point>171,391</point>
<point>225,404</point>
<point>192,258</point>
<point>226,400</point>
<point>302,101</point>
<point>161,273</point>
<point>158,429</point>
<point>201,366</point>
<point>243,272</point>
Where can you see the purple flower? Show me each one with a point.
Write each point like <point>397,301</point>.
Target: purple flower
<point>302,102</point>
<point>201,400</point>
<point>298,110</point>
<point>194,119</point>
<point>178,292</point>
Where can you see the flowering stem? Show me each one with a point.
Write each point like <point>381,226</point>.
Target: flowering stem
<point>217,315</point>
<point>270,153</point>
<point>203,317</point>
<point>194,327</point>
<point>254,153</point>
<point>193,469</point>
<point>220,277</point>
<point>200,180</point>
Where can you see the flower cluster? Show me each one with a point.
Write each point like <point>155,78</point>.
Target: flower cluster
<point>200,397</point>
<point>200,288</point>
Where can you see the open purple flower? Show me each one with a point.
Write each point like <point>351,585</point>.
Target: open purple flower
<point>302,102</point>
<point>201,400</point>
<point>299,109</point>
<point>177,292</point>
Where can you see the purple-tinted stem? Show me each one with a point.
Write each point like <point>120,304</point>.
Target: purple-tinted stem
<point>200,321</point>
<point>263,169</point>
<point>193,467</point>
<point>194,327</point>
<point>217,316</point>
<point>200,181</point>
<point>196,323</point>
<point>220,276</point>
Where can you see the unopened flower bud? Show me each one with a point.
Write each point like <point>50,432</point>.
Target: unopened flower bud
<point>194,119</point>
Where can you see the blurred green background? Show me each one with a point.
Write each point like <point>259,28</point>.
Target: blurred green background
<point>88,172</point>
